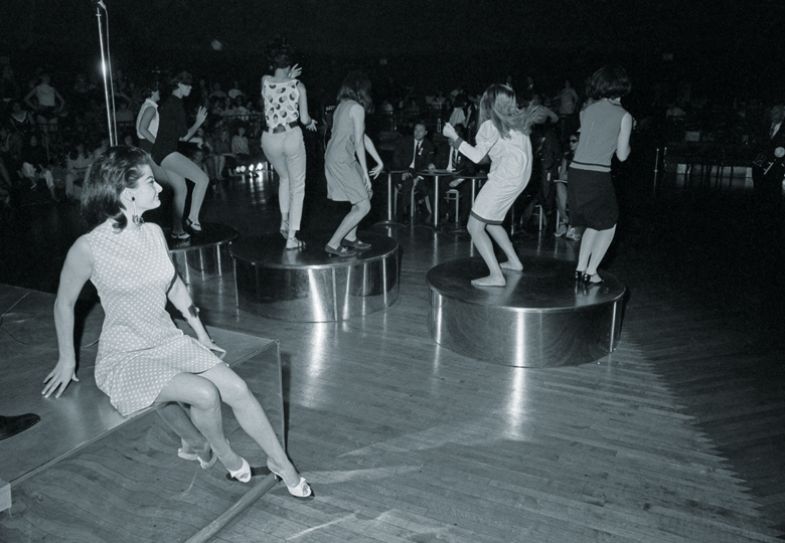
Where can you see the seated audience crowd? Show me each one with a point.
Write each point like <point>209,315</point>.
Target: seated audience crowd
<point>52,127</point>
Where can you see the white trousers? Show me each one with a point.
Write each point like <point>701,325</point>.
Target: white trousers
<point>286,152</point>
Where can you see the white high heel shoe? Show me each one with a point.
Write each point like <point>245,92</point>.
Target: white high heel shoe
<point>302,490</point>
<point>241,474</point>
<point>194,457</point>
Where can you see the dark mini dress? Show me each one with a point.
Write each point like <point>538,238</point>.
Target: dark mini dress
<point>172,125</point>
<point>590,192</point>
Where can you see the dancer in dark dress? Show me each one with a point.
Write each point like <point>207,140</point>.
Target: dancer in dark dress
<point>173,128</point>
<point>605,131</point>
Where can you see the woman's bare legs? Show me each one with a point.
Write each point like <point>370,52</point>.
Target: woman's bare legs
<point>205,401</point>
<point>587,246</point>
<point>252,418</point>
<point>349,223</point>
<point>179,192</point>
<point>179,167</point>
<point>176,417</point>
<point>484,246</point>
<point>499,235</point>
<point>600,246</point>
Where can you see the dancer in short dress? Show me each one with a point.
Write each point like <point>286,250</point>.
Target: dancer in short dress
<point>143,359</point>
<point>147,127</point>
<point>503,136</point>
<point>285,106</point>
<point>345,167</point>
<point>605,130</point>
<point>172,129</point>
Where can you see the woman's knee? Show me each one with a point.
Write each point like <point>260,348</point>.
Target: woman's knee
<point>234,389</point>
<point>205,395</point>
<point>474,226</point>
<point>363,207</point>
<point>200,177</point>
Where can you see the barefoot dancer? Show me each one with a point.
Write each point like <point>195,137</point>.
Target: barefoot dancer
<point>503,136</point>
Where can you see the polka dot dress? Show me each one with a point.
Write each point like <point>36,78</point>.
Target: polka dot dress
<point>140,349</point>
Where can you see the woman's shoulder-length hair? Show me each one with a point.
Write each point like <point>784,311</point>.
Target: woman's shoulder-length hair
<point>499,105</point>
<point>117,169</point>
<point>609,81</point>
<point>356,86</point>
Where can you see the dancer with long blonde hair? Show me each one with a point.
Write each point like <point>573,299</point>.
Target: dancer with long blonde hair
<point>503,135</point>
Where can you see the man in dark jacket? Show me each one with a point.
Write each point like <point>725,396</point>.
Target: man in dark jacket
<point>414,154</point>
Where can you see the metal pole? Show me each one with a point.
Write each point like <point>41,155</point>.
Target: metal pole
<point>109,73</point>
<point>656,172</point>
<point>108,94</point>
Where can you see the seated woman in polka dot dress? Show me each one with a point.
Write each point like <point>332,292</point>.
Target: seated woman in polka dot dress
<point>143,358</point>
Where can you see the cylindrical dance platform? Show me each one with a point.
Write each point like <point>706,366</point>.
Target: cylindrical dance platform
<point>310,286</point>
<point>203,252</point>
<point>541,318</point>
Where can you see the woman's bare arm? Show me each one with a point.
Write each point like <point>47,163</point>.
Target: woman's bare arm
<point>76,271</point>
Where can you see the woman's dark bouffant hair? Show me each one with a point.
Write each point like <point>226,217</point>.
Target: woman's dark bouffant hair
<point>119,168</point>
<point>181,77</point>
<point>356,86</point>
<point>150,87</point>
<point>280,54</point>
<point>609,82</point>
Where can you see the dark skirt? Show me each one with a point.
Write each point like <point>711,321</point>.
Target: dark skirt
<point>592,199</point>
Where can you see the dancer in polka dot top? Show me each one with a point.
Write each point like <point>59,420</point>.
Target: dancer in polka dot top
<point>143,359</point>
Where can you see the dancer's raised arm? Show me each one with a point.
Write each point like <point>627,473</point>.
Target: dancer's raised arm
<point>486,138</point>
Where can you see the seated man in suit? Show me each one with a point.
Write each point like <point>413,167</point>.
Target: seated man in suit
<point>768,168</point>
<point>414,153</point>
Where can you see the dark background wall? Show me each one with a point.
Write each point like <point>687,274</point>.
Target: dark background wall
<point>723,46</point>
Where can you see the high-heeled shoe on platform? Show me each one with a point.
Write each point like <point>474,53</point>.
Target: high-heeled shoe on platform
<point>302,490</point>
<point>195,227</point>
<point>194,457</point>
<point>587,279</point>
<point>241,474</point>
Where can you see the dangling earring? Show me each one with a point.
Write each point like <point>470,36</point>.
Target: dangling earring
<point>135,217</point>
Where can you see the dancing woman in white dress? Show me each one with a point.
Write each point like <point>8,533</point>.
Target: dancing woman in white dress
<point>503,135</point>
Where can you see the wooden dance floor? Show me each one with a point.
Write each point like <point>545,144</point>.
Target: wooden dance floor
<point>675,437</point>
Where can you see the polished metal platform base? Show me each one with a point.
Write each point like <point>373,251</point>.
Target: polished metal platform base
<point>203,252</point>
<point>540,319</point>
<point>310,286</point>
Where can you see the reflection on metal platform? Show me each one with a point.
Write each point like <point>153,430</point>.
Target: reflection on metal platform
<point>310,286</point>
<point>539,319</point>
<point>202,253</point>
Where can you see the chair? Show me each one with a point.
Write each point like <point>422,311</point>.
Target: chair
<point>540,213</point>
<point>454,195</point>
